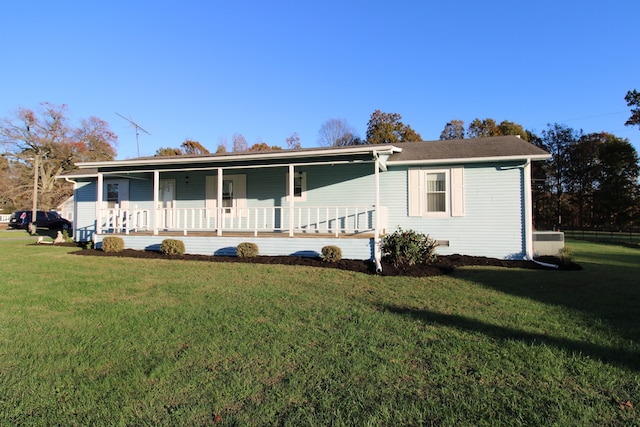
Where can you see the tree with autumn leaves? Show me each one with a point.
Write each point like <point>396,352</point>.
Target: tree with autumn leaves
<point>46,139</point>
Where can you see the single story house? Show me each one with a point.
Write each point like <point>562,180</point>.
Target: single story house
<point>472,196</point>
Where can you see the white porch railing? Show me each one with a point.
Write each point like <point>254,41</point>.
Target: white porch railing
<point>317,219</point>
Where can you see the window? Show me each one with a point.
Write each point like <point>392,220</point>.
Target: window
<point>299,186</point>
<point>112,195</point>
<point>115,192</point>
<point>436,193</point>
<point>436,190</point>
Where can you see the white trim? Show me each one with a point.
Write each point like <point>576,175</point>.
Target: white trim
<point>457,191</point>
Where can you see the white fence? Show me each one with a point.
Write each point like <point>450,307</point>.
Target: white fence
<point>318,219</point>
<point>4,218</point>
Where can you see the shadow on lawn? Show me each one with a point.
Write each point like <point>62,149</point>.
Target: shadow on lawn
<point>607,290</point>
<point>610,355</point>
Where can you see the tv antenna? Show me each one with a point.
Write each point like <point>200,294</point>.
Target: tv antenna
<point>138,128</point>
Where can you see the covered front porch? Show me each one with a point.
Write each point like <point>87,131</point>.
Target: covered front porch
<point>279,198</point>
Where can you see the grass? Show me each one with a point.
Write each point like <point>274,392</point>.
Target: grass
<point>106,341</point>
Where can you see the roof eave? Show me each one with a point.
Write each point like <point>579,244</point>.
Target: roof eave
<point>280,155</point>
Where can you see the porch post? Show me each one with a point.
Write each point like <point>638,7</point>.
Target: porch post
<point>220,208</point>
<point>99,197</point>
<point>377,198</point>
<point>156,209</point>
<point>291,197</point>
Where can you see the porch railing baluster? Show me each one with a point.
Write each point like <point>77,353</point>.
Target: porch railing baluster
<point>333,220</point>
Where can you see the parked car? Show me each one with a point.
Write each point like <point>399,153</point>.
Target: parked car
<point>51,220</point>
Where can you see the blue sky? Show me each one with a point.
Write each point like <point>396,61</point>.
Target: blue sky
<point>206,70</point>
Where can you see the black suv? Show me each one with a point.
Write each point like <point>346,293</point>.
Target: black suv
<point>51,220</point>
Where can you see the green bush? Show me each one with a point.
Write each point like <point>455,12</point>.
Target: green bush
<point>172,247</point>
<point>66,237</point>
<point>112,244</point>
<point>408,248</point>
<point>565,255</point>
<point>331,254</point>
<point>247,250</point>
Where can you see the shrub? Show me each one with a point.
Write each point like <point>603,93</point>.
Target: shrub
<point>172,247</point>
<point>408,248</point>
<point>112,244</point>
<point>247,250</point>
<point>565,255</point>
<point>331,254</point>
<point>66,237</point>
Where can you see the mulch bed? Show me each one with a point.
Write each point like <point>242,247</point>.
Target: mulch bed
<point>444,265</point>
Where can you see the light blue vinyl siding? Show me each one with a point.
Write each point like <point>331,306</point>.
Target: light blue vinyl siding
<point>269,246</point>
<point>492,224</point>
<point>351,184</point>
<point>85,215</point>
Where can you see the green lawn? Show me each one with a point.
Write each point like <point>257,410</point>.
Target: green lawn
<point>107,341</point>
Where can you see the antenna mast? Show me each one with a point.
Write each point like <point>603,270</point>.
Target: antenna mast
<point>138,128</point>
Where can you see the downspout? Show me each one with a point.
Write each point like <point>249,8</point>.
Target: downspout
<point>377,251</point>
<point>528,217</point>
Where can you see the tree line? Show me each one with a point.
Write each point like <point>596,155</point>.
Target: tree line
<point>591,180</point>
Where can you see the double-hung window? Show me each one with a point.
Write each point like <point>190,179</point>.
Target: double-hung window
<point>436,193</point>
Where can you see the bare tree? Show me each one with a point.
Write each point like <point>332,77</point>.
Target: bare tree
<point>239,143</point>
<point>46,141</point>
<point>335,132</point>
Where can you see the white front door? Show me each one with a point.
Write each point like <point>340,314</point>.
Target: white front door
<point>166,198</point>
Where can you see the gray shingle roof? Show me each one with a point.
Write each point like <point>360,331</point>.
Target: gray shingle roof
<point>492,147</point>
